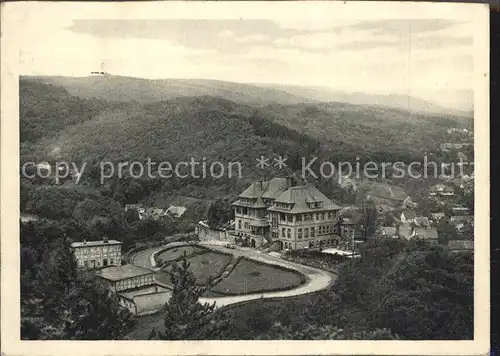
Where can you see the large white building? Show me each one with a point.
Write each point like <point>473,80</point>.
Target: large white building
<point>97,254</point>
<point>297,216</point>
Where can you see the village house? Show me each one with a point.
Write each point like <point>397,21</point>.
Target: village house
<point>135,287</point>
<point>457,246</point>
<point>297,216</point>
<point>458,209</point>
<point>96,254</point>
<point>175,211</point>
<point>437,216</point>
<point>407,216</point>
<point>403,230</point>
<point>428,234</point>
<point>459,221</point>
<point>390,231</point>
<point>441,191</point>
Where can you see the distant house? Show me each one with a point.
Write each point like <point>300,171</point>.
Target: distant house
<point>441,190</point>
<point>154,213</point>
<point>428,234</point>
<point>408,216</point>
<point>389,231</point>
<point>135,287</point>
<point>385,194</point>
<point>421,221</point>
<point>175,211</point>
<point>437,216</point>
<point>406,231</point>
<point>460,210</point>
<point>459,221</point>
<point>461,245</point>
<point>448,146</point>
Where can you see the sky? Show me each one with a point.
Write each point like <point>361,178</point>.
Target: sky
<point>427,58</point>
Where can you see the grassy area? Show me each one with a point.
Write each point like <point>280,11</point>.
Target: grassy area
<point>175,253</point>
<point>206,265</point>
<point>251,277</point>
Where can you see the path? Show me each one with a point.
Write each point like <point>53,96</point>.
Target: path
<point>317,279</point>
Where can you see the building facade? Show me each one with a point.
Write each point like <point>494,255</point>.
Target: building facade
<point>298,217</point>
<point>135,288</point>
<point>97,254</point>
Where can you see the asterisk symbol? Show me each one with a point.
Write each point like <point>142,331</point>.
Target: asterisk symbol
<point>280,162</point>
<point>262,162</point>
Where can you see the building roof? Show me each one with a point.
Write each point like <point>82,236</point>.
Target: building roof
<point>95,243</point>
<point>461,245</point>
<point>386,191</point>
<point>300,196</point>
<point>405,230</point>
<point>441,188</point>
<point>427,233</point>
<point>461,218</point>
<point>266,189</point>
<point>389,230</point>
<point>422,221</point>
<point>116,273</point>
<point>177,211</point>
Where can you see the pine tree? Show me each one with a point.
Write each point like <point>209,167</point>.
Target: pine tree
<point>185,317</point>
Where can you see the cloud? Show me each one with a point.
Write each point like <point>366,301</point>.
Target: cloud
<point>363,56</point>
<point>399,27</point>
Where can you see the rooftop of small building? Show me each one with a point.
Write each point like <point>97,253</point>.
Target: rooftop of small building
<point>301,196</point>
<point>116,273</point>
<point>95,243</point>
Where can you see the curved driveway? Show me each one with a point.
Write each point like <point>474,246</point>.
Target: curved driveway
<point>316,279</point>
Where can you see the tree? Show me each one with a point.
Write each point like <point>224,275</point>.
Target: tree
<point>219,212</point>
<point>367,219</point>
<point>185,317</point>
<point>446,232</point>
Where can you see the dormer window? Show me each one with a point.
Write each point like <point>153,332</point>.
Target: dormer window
<point>315,204</point>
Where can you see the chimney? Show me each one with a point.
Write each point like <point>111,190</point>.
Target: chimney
<point>258,184</point>
<point>105,239</point>
<point>290,181</point>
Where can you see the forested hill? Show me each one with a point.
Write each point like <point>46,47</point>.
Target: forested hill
<point>120,88</point>
<point>94,129</point>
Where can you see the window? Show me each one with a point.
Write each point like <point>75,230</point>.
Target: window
<point>246,224</point>
<point>299,218</point>
<point>289,233</point>
<point>299,233</point>
<point>86,263</point>
<point>239,224</point>
<point>330,215</point>
<point>306,233</point>
<point>282,217</point>
<point>105,262</point>
<point>112,262</point>
<point>289,218</point>
<point>283,232</point>
<point>312,231</point>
